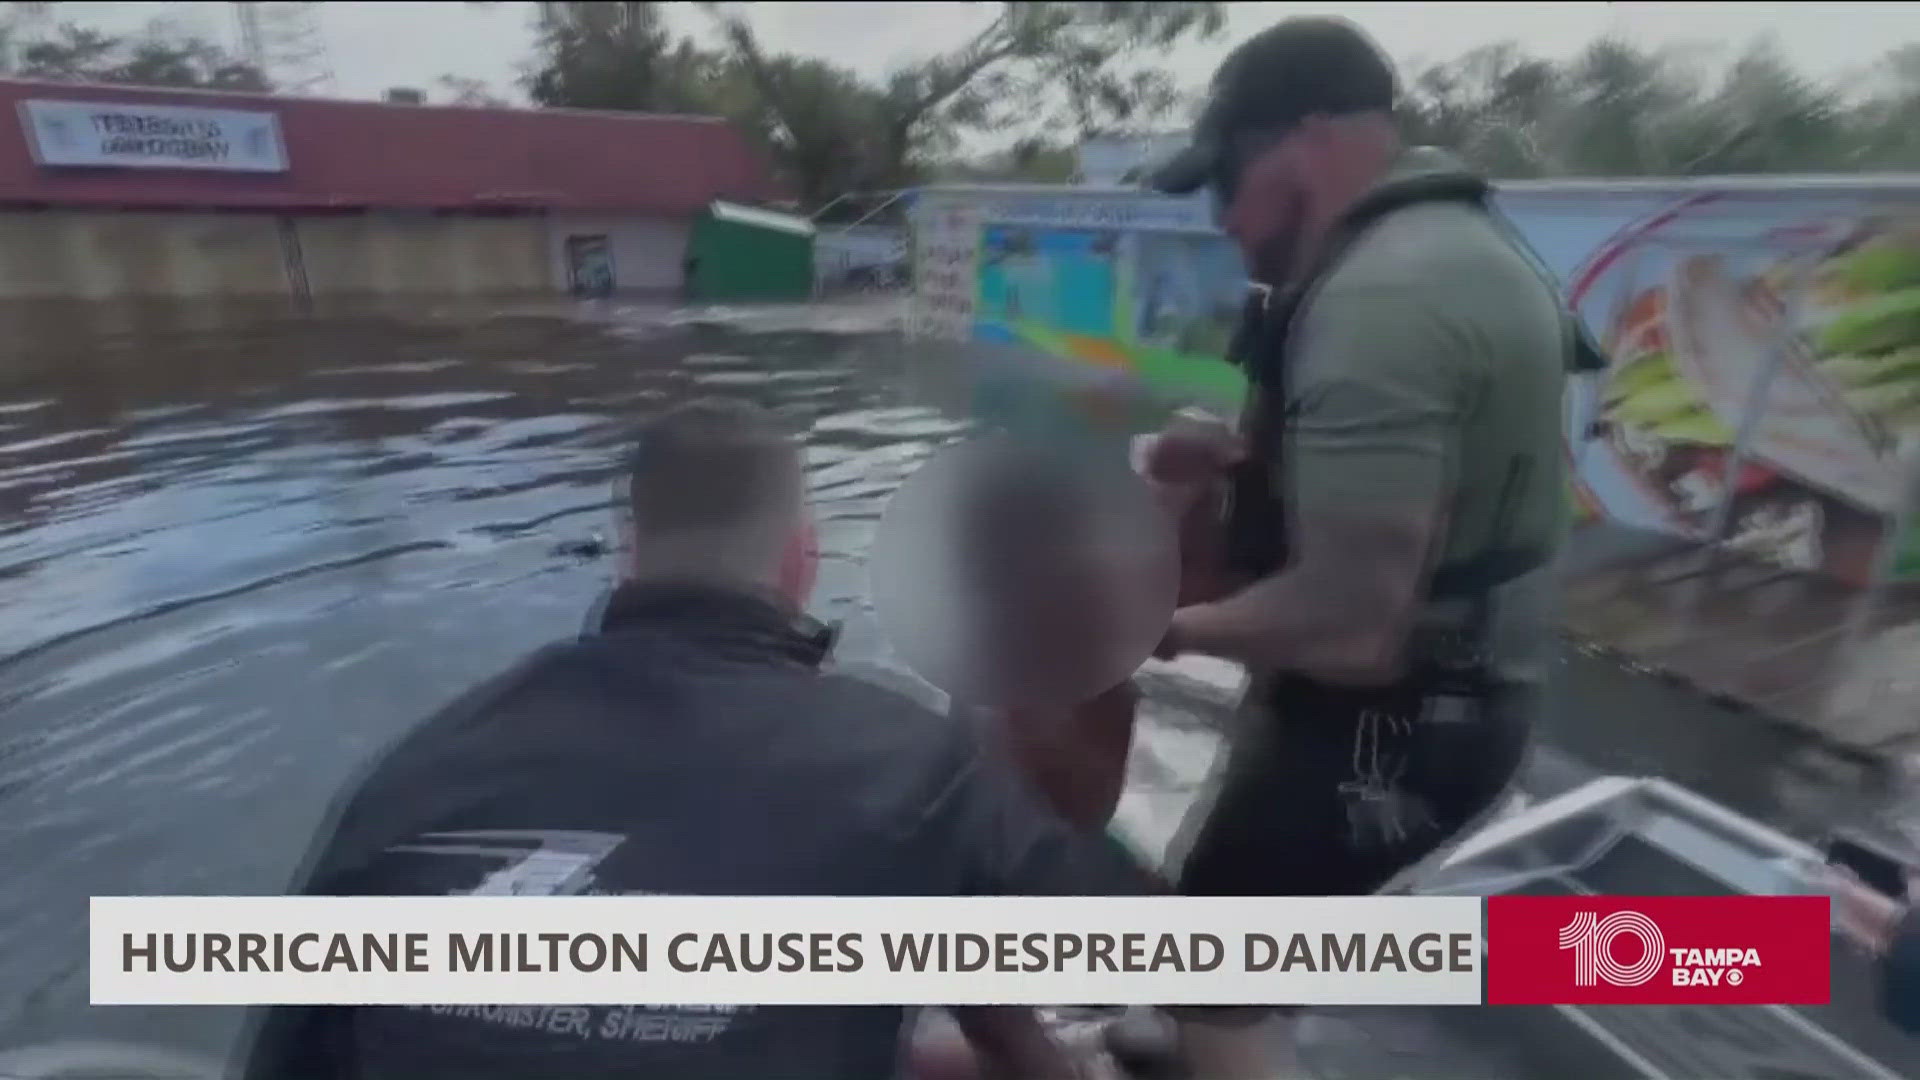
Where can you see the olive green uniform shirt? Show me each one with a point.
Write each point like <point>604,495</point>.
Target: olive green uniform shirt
<point>1431,358</point>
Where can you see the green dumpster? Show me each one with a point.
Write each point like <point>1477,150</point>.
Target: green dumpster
<point>746,253</point>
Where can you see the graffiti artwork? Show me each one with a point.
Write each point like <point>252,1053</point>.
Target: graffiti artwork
<point>1764,339</point>
<point>1159,306</point>
<point>1762,374</point>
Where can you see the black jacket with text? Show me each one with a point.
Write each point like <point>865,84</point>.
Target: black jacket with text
<point>690,746</point>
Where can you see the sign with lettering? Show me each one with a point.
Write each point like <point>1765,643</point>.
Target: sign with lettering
<point>100,134</point>
<point>946,257</point>
<point>1115,210</point>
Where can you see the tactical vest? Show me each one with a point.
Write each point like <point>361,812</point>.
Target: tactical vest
<point>1257,542</point>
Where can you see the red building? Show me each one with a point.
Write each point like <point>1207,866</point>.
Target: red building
<point>356,194</point>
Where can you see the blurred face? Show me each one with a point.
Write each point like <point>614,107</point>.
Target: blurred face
<point>1279,190</point>
<point>1031,574</point>
<point>1049,606</point>
<point>1032,593</point>
<point>1263,202</point>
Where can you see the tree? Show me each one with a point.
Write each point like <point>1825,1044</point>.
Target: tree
<point>187,61</point>
<point>1618,110</point>
<point>1623,103</point>
<point>1885,129</point>
<point>1494,104</point>
<point>1061,66</point>
<point>1067,66</point>
<point>1764,118</point>
<point>822,126</point>
<point>156,58</point>
<point>614,56</point>
<point>1030,160</point>
<point>473,93</point>
<point>1041,76</point>
<point>18,22</point>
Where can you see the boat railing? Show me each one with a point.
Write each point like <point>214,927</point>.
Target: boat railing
<point>1560,836</point>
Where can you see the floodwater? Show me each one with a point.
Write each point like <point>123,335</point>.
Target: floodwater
<point>237,560</point>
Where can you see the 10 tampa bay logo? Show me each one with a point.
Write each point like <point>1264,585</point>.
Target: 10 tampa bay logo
<point>1598,944</point>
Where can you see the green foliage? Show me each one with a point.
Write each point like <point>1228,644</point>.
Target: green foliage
<point>460,90</point>
<point>1029,160</point>
<point>1619,110</point>
<point>1080,67</point>
<point>155,57</point>
<point>1075,69</point>
<point>614,56</point>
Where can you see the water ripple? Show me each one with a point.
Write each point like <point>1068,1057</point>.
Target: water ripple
<point>241,564</point>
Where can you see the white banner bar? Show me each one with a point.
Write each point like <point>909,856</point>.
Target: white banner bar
<point>125,135</point>
<point>683,950</point>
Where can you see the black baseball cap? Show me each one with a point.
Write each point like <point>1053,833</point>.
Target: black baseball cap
<point>1299,67</point>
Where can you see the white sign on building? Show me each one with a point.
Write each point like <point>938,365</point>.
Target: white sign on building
<point>120,135</point>
<point>946,261</point>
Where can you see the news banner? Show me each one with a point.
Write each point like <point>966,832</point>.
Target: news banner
<point>720,951</point>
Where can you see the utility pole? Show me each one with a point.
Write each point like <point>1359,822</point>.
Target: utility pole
<point>252,49</point>
<point>283,42</point>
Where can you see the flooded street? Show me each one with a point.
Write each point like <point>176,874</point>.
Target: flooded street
<point>236,565</point>
<point>236,562</point>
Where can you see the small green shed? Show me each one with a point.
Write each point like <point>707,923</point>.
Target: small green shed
<point>746,253</point>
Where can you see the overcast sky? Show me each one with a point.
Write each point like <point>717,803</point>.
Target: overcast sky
<point>373,46</point>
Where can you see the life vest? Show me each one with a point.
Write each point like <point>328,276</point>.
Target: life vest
<point>1255,511</point>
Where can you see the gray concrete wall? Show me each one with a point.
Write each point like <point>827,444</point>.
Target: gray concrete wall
<point>91,255</point>
<point>144,255</point>
<point>390,253</point>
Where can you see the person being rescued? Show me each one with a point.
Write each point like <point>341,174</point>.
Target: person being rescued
<point>1051,588</point>
<point>1046,582</point>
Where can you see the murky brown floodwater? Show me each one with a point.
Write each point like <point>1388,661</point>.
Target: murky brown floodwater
<point>236,562</point>
<point>236,557</point>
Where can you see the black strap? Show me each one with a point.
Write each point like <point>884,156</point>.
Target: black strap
<point>1584,354</point>
<point>1256,525</point>
<point>1274,312</point>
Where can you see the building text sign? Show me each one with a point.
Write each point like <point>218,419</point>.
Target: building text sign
<point>101,134</point>
<point>946,259</point>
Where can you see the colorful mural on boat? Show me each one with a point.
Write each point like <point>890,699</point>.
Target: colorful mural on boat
<point>1765,337</point>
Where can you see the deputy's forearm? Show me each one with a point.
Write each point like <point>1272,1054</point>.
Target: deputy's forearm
<point>1286,623</point>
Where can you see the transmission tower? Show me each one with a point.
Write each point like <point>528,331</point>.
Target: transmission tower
<point>252,49</point>
<point>283,41</point>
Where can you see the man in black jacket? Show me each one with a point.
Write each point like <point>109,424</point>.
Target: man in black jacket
<point>689,746</point>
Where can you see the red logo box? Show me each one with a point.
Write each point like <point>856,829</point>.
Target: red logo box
<point>1659,950</point>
